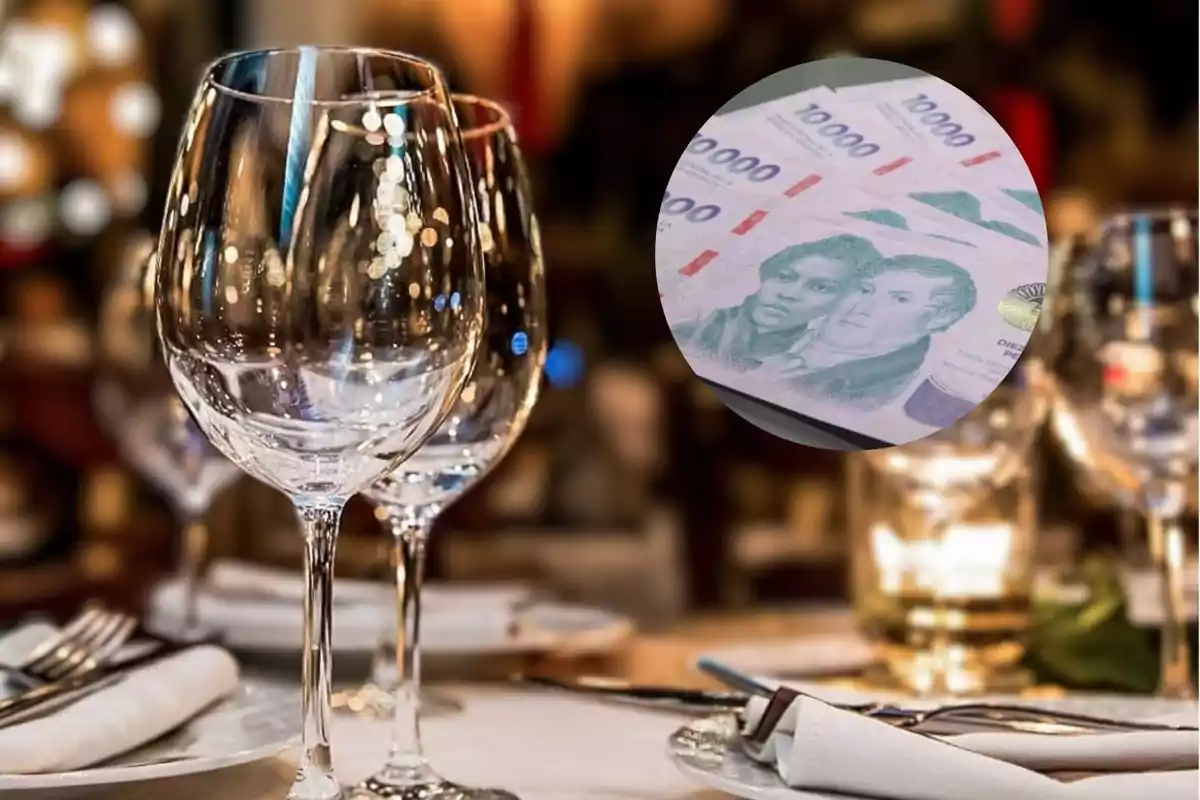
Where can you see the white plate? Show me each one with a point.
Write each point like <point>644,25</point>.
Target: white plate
<point>260,721</point>
<point>473,624</point>
<point>707,750</point>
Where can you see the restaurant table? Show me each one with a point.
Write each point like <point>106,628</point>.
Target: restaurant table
<point>541,745</point>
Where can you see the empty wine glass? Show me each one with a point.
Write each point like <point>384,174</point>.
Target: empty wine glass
<point>139,407</point>
<point>320,291</point>
<point>1124,387</point>
<point>490,414</point>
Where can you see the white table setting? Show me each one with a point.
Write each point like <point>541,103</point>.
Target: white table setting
<point>255,607</point>
<point>192,725</point>
<point>815,750</point>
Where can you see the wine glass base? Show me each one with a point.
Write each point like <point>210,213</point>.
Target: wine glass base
<point>376,703</point>
<point>315,787</point>
<point>419,782</point>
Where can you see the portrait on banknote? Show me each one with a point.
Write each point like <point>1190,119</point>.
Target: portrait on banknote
<point>798,285</point>
<point>872,344</point>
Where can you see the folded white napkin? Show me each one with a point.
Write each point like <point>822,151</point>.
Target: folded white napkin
<point>817,747</point>
<point>242,578</point>
<point>146,704</point>
<point>257,581</point>
<point>259,608</point>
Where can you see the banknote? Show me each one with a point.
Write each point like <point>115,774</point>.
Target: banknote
<point>951,124</point>
<point>889,333</point>
<point>822,127</point>
<point>736,164</point>
<point>796,146</point>
<point>980,205</point>
<point>902,212</point>
<point>899,183</point>
<point>941,207</point>
<point>982,178</point>
<point>776,150</point>
<point>740,167</point>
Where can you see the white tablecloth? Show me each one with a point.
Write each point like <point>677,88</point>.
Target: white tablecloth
<point>540,746</point>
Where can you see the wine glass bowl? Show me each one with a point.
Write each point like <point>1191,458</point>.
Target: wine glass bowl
<point>496,401</point>
<point>136,401</point>
<point>323,285</point>
<point>1124,389</point>
<point>320,291</point>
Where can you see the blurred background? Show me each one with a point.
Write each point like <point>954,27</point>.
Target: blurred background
<point>634,488</point>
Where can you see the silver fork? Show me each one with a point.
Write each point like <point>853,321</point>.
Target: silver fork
<point>1024,718</point>
<point>84,644</point>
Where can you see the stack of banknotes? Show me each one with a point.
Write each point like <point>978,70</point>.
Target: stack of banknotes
<point>873,257</point>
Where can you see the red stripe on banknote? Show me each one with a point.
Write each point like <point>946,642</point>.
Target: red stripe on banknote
<point>698,263</point>
<point>806,183</point>
<point>980,159</point>
<point>891,167</point>
<point>749,222</point>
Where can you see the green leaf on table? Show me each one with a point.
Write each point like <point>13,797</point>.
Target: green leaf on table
<point>1093,645</point>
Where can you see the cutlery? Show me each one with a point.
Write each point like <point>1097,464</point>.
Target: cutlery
<point>83,645</point>
<point>1030,719</point>
<point>54,695</point>
<point>735,680</point>
<point>962,716</point>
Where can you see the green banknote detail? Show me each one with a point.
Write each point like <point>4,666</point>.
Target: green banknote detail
<point>894,219</point>
<point>968,207</point>
<point>951,239</point>
<point>881,216</point>
<point>1025,197</point>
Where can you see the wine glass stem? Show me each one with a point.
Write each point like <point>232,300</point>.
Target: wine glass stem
<point>410,532</point>
<point>194,551</point>
<point>383,659</point>
<point>1167,546</point>
<point>314,779</point>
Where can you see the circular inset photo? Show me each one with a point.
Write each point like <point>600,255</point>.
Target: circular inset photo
<point>852,254</point>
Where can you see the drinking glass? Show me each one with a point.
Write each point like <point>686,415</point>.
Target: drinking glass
<point>943,560</point>
<point>320,291</point>
<point>139,407</point>
<point>1124,389</point>
<point>490,414</point>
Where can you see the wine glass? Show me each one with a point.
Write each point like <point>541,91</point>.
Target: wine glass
<point>942,481</point>
<point>1124,387</point>
<point>490,414</point>
<point>320,291</point>
<point>139,407</point>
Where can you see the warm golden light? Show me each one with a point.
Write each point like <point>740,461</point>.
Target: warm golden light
<point>967,561</point>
